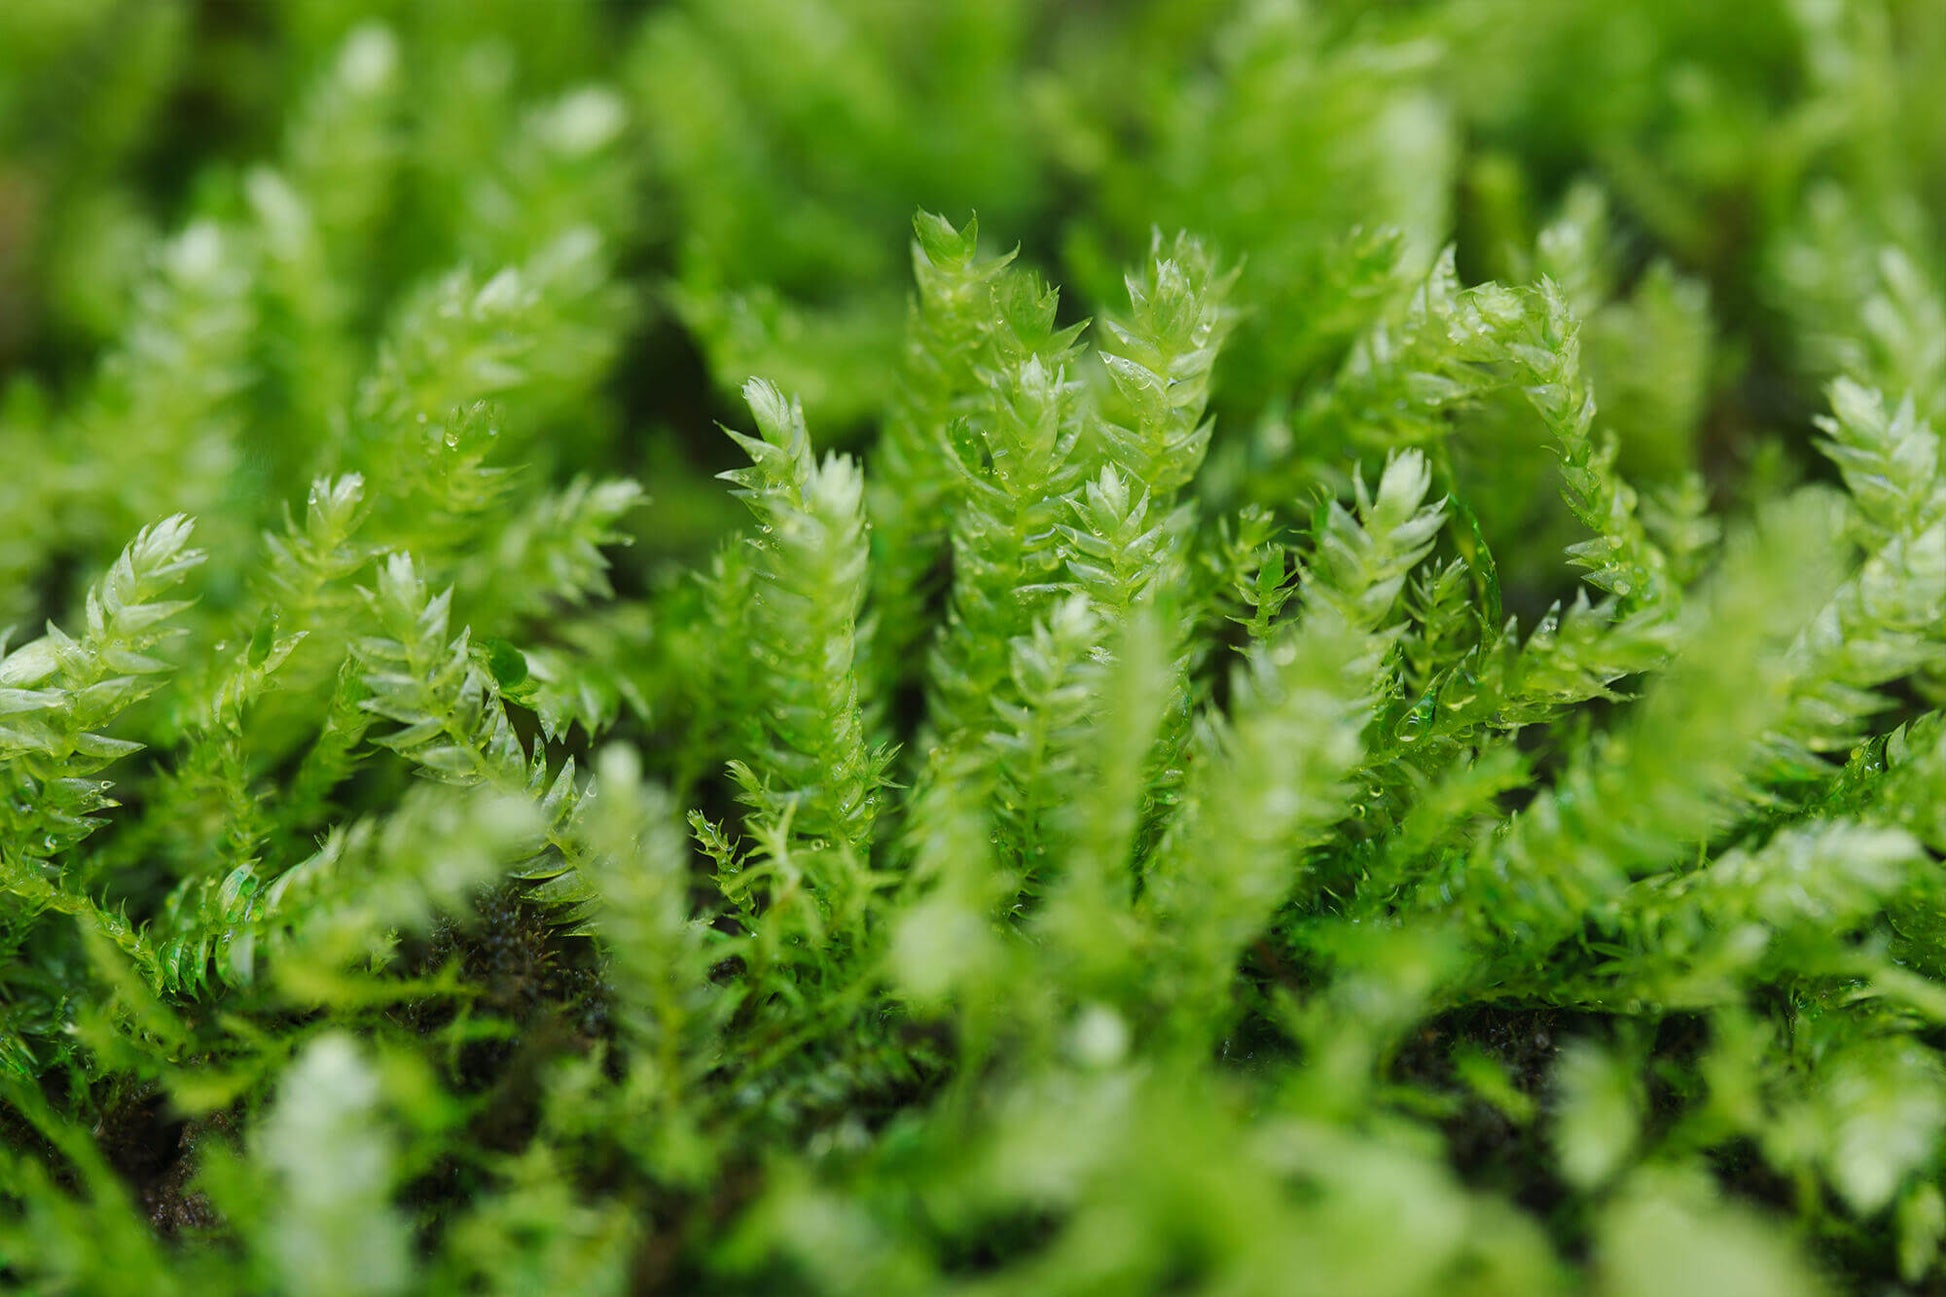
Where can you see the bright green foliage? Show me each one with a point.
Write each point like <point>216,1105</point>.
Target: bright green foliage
<point>808,593</point>
<point>946,345</point>
<point>1020,458</point>
<point>62,690</point>
<point>1384,738</point>
<point>1160,361</point>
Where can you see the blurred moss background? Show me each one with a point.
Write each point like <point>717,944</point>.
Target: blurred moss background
<point>1737,167</point>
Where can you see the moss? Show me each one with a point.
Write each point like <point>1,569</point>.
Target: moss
<point>1360,722</point>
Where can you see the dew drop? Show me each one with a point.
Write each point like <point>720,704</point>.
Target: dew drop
<point>1414,724</point>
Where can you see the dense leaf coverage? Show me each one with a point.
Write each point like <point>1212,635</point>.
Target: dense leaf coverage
<point>1403,755</point>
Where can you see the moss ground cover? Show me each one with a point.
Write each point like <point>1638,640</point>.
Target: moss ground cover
<point>1342,692</point>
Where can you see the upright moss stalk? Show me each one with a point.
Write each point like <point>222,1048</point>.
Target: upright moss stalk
<point>809,765</point>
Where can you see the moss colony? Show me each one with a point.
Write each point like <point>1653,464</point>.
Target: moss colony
<point>1383,739</point>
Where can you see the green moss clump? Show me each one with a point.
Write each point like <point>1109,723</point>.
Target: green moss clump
<point>1389,737</point>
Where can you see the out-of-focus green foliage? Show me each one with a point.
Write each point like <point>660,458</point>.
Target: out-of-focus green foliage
<point>1384,737</point>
